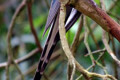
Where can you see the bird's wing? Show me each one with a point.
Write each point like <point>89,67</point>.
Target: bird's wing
<point>54,8</point>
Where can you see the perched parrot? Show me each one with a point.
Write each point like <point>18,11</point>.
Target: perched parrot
<point>72,16</point>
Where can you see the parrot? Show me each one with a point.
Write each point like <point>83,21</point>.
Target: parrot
<point>72,16</point>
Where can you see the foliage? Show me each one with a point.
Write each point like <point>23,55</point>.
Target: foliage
<point>23,42</point>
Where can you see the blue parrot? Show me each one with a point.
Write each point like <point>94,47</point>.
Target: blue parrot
<point>72,16</point>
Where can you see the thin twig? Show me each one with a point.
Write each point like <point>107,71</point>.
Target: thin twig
<point>79,78</point>
<point>86,42</point>
<point>75,43</point>
<point>106,42</point>
<point>97,51</point>
<point>91,74</point>
<point>22,59</point>
<point>92,35</point>
<point>68,52</point>
<point>9,35</point>
<point>109,49</point>
<point>88,48</point>
<point>77,36</point>
<point>55,55</point>
<point>29,7</point>
<point>93,26</point>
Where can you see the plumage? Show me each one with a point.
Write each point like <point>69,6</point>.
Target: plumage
<point>53,20</point>
<point>55,6</point>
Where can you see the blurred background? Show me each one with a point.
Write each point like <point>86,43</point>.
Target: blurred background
<point>23,42</point>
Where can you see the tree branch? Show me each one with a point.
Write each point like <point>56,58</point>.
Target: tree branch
<point>77,36</point>
<point>68,53</point>
<point>22,59</point>
<point>29,7</point>
<point>104,38</point>
<point>89,8</point>
<point>9,35</point>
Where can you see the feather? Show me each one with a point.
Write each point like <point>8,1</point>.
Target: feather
<point>55,6</point>
<point>72,16</point>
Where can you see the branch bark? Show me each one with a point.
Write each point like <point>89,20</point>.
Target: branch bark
<point>65,46</point>
<point>29,7</point>
<point>104,38</point>
<point>89,8</point>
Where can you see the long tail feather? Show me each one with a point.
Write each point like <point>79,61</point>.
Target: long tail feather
<point>53,38</point>
<point>54,9</point>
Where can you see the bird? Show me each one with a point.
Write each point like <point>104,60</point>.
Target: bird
<point>72,16</point>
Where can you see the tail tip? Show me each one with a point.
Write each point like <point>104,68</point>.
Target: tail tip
<point>37,76</point>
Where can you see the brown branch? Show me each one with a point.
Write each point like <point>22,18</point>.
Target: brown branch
<point>104,38</point>
<point>32,70</point>
<point>82,35</point>
<point>88,48</point>
<point>115,65</point>
<point>9,35</point>
<point>92,35</point>
<point>55,55</point>
<point>97,51</point>
<point>86,40</point>
<point>29,7</point>
<point>22,59</point>
<point>107,45</point>
<point>77,36</point>
<point>68,52</point>
<point>109,50</point>
<point>89,8</point>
